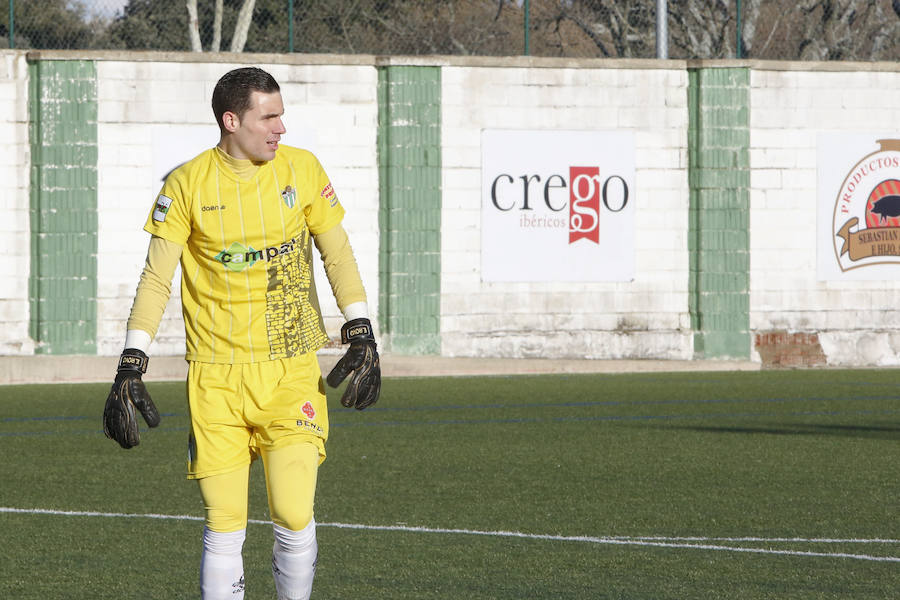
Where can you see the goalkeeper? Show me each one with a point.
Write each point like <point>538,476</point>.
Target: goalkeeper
<point>241,218</point>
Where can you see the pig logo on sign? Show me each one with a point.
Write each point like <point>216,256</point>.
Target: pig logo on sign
<point>869,196</point>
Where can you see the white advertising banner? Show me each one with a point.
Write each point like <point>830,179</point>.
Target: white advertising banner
<point>557,206</point>
<point>858,229</point>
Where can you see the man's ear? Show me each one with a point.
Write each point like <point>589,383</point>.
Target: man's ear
<point>230,121</point>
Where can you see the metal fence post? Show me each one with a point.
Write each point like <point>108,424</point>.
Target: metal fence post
<point>527,26</point>
<point>290,25</point>
<point>662,29</point>
<point>12,24</point>
<point>740,51</point>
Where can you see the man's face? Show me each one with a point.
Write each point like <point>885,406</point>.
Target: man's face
<point>255,135</point>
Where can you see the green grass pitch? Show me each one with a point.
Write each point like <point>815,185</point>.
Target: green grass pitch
<point>772,484</point>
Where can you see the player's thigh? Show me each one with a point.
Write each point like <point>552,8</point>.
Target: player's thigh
<point>291,473</point>
<point>225,499</point>
<point>220,436</point>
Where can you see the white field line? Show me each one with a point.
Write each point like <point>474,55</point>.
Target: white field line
<point>694,543</point>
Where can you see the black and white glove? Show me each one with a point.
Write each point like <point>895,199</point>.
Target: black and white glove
<point>362,360</point>
<point>127,393</point>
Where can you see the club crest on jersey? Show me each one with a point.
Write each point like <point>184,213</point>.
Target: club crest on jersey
<point>289,195</point>
<point>162,208</point>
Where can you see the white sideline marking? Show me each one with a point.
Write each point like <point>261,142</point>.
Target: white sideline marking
<point>696,543</point>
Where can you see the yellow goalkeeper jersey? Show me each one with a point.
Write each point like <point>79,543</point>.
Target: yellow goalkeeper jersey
<point>247,286</point>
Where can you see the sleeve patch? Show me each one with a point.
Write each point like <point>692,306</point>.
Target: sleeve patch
<point>328,194</point>
<point>162,208</point>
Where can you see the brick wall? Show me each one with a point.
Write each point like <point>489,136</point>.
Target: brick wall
<point>14,205</point>
<point>718,239</point>
<point>644,318</point>
<point>726,191</point>
<point>854,322</point>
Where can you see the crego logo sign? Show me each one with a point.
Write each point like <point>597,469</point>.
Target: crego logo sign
<point>585,193</point>
<point>557,206</point>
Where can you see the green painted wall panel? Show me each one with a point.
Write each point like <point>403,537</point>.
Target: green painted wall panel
<point>63,139</point>
<point>719,212</point>
<point>409,159</point>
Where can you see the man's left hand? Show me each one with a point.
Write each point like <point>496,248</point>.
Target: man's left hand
<point>362,360</point>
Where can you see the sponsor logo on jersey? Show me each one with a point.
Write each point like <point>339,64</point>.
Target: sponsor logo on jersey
<point>308,410</point>
<point>238,257</point>
<point>212,207</point>
<point>289,195</point>
<point>162,208</point>
<point>328,194</point>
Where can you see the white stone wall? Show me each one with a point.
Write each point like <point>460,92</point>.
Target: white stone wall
<point>14,205</point>
<point>857,322</point>
<point>332,109</point>
<point>329,109</point>
<point>643,318</point>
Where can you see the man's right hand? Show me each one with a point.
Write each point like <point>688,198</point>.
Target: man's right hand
<point>127,393</point>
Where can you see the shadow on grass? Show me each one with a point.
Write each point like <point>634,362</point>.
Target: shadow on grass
<point>881,431</point>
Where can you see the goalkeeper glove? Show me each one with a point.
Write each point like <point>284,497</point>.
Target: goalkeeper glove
<point>127,393</point>
<point>362,360</point>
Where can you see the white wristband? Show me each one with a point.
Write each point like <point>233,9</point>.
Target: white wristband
<point>357,310</point>
<point>138,339</point>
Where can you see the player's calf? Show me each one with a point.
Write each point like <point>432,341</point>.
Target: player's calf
<point>222,566</point>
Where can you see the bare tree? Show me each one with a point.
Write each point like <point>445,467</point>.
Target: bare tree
<point>245,17</point>
<point>844,29</point>
<point>194,26</point>
<point>217,27</point>
<point>468,27</point>
<point>749,23</point>
<point>770,29</point>
<point>241,27</point>
<point>702,29</point>
<point>616,28</point>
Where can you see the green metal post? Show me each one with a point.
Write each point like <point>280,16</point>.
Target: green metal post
<point>12,24</point>
<point>527,26</point>
<point>290,25</point>
<point>740,50</point>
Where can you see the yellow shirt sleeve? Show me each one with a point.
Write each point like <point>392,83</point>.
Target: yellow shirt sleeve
<point>155,285</point>
<point>340,266</point>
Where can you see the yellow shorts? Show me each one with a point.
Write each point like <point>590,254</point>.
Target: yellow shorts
<point>236,410</point>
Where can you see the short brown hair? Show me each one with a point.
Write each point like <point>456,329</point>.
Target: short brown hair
<point>232,92</point>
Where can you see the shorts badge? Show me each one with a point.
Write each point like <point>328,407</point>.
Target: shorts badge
<point>308,410</point>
